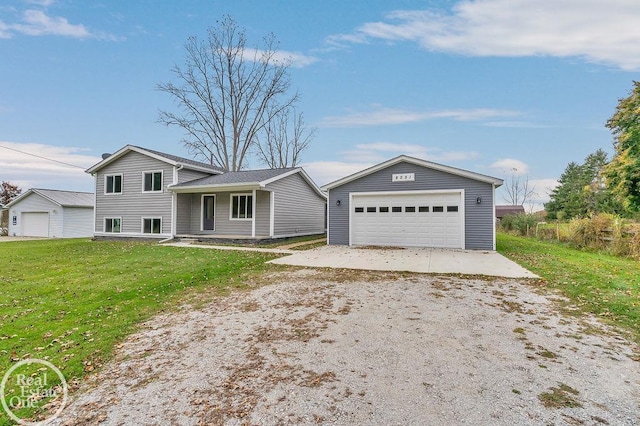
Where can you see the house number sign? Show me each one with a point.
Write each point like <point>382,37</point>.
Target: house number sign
<point>403,177</point>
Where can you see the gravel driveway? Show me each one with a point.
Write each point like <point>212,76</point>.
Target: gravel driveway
<point>345,347</point>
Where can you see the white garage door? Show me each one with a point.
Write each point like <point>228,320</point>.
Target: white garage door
<point>408,220</point>
<point>35,224</point>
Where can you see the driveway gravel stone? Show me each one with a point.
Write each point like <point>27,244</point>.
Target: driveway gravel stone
<point>353,347</point>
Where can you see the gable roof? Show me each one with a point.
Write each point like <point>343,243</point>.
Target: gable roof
<point>174,160</point>
<point>423,163</point>
<point>245,178</point>
<point>61,198</point>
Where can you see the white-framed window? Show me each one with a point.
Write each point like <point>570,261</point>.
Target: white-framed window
<point>113,225</point>
<point>152,225</point>
<point>113,184</point>
<point>241,207</point>
<point>152,181</point>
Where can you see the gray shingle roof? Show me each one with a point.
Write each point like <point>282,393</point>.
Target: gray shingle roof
<point>228,178</point>
<point>181,159</point>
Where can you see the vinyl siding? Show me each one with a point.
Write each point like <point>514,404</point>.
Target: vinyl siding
<point>186,175</point>
<point>298,209</point>
<point>77,222</point>
<point>263,213</point>
<point>223,225</point>
<point>183,224</point>
<point>36,203</point>
<point>133,204</point>
<point>478,218</point>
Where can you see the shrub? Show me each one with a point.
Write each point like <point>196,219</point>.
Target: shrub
<point>522,224</point>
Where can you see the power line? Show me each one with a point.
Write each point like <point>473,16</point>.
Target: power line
<point>44,158</point>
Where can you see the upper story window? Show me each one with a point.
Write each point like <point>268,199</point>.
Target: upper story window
<point>113,184</point>
<point>241,206</point>
<point>152,182</point>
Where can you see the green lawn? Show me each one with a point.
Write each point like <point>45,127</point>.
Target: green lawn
<point>71,301</point>
<point>605,285</point>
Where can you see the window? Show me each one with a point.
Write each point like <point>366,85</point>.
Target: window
<point>423,209</point>
<point>384,209</point>
<point>396,209</point>
<point>452,209</point>
<point>112,224</point>
<point>359,209</point>
<point>438,209</point>
<point>151,225</point>
<point>113,184</point>
<point>152,182</point>
<point>409,209</point>
<point>241,206</point>
<point>371,209</point>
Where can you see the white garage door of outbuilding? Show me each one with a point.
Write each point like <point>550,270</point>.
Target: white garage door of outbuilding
<point>415,219</point>
<point>35,224</point>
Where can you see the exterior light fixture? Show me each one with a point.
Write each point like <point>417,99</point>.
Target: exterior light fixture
<point>479,200</point>
<point>338,202</point>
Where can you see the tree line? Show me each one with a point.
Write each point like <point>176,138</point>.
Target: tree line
<point>598,185</point>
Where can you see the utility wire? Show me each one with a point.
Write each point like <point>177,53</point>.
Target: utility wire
<point>39,156</point>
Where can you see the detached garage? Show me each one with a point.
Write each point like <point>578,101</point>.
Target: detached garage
<point>51,213</point>
<point>410,202</point>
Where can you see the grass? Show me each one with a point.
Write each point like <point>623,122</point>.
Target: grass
<point>71,301</point>
<point>604,285</point>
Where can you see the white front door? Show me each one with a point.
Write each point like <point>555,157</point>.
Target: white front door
<point>426,219</point>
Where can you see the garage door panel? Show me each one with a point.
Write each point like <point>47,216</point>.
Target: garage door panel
<point>35,224</point>
<point>413,223</point>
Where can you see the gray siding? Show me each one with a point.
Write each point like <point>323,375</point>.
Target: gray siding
<point>184,206</point>
<point>186,175</point>
<point>298,209</point>
<point>478,218</point>
<point>223,224</point>
<point>263,213</point>
<point>133,204</point>
<point>35,203</point>
<point>77,222</point>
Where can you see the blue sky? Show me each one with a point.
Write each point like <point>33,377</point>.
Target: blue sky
<point>486,85</point>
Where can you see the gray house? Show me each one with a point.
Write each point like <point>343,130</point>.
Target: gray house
<point>51,213</point>
<point>145,193</point>
<point>410,202</point>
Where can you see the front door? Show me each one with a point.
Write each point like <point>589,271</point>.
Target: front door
<point>208,212</point>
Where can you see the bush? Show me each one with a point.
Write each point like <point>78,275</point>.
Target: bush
<point>522,224</point>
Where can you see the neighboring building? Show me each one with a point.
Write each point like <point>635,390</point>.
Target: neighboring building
<point>145,193</point>
<point>410,202</point>
<point>507,210</point>
<point>51,213</point>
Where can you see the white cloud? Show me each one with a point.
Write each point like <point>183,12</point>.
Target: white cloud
<point>377,152</point>
<point>386,116</point>
<point>295,59</point>
<point>509,166</point>
<point>542,190</point>
<point>323,172</point>
<point>38,23</point>
<point>598,31</point>
<point>44,3</point>
<point>31,171</point>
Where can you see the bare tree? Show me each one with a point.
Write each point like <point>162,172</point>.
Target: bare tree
<point>518,190</point>
<point>285,137</point>
<point>227,94</point>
